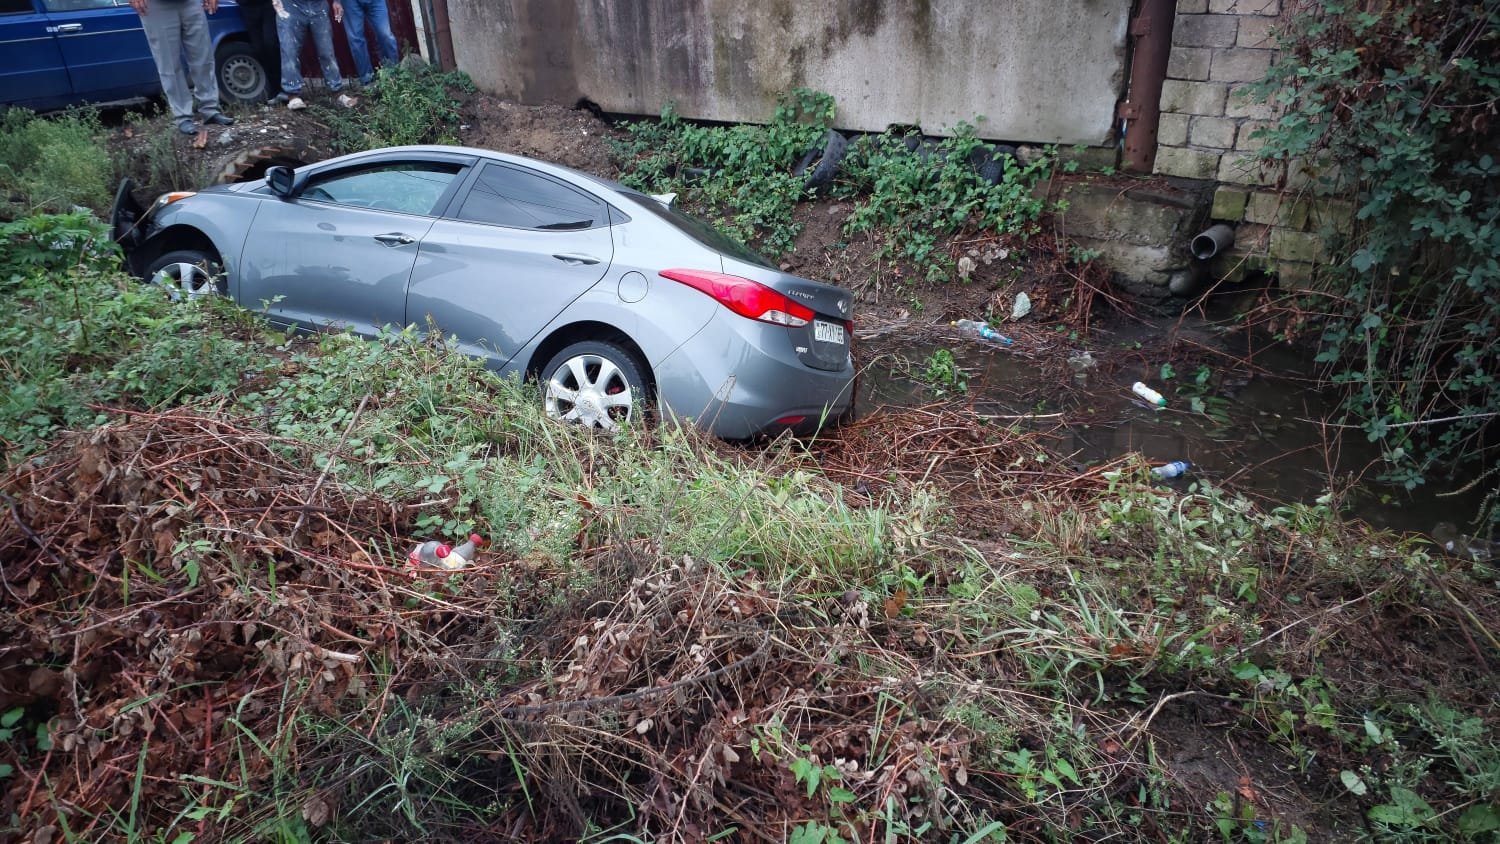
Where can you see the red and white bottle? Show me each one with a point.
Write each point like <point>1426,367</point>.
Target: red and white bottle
<point>463,555</point>
<point>430,553</point>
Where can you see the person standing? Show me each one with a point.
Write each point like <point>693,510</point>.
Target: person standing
<point>174,28</point>
<point>294,19</point>
<point>260,27</point>
<point>357,13</point>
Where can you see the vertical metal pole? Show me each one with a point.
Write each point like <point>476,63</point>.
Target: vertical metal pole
<point>443,34</point>
<point>1152,31</point>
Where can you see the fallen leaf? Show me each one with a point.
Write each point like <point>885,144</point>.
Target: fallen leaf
<point>895,603</point>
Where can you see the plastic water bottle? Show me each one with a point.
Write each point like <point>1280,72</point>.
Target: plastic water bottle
<point>974,326</point>
<point>430,553</point>
<point>1175,469</point>
<point>463,555</point>
<point>1148,394</point>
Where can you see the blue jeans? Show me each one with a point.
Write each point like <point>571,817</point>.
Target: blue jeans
<point>304,15</point>
<point>375,12</point>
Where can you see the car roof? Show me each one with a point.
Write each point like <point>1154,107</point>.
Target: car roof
<point>447,152</point>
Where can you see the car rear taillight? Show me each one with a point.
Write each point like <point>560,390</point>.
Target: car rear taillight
<point>745,297</point>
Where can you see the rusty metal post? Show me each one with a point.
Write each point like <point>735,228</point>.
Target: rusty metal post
<point>443,34</point>
<point>1141,111</point>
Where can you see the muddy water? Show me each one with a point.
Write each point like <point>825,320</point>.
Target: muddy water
<point>1263,435</point>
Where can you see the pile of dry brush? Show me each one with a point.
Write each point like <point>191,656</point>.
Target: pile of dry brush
<point>174,584</point>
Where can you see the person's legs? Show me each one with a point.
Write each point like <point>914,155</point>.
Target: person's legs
<point>200,57</point>
<point>354,27</point>
<point>290,31</point>
<point>321,24</point>
<point>260,27</point>
<point>379,16</point>
<point>164,36</point>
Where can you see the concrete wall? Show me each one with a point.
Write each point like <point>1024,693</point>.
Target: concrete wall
<point>1034,70</point>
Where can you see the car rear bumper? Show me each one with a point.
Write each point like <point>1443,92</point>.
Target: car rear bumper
<point>739,378</point>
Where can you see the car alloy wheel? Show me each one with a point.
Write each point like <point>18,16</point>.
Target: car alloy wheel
<point>594,384</point>
<point>186,275</point>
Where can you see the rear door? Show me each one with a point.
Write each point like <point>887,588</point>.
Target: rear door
<point>104,47</point>
<point>340,253</point>
<point>516,250</point>
<point>32,72</point>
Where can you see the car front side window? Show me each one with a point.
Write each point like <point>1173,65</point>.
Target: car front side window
<point>405,187</point>
<point>517,198</point>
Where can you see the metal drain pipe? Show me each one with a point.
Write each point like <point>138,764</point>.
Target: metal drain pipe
<point>1140,114</point>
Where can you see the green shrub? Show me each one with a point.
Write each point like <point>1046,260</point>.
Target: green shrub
<point>1389,102</point>
<point>80,334</point>
<point>410,104</point>
<point>919,197</point>
<point>53,163</point>
<point>738,176</point>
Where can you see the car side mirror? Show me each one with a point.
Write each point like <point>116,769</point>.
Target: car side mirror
<point>281,180</point>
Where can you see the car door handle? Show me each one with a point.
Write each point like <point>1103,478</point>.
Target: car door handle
<point>576,259</point>
<point>395,239</point>
<point>70,27</point>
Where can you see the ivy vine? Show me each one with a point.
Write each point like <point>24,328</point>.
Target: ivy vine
<point>1398,104</point>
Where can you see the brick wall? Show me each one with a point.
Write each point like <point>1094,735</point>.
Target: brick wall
<point>1218,48</point>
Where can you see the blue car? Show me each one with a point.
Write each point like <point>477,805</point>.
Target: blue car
<point>58,53</point>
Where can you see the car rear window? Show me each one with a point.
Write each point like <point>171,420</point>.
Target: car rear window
<point>700,230</point>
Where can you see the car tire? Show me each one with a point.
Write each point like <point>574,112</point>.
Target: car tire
<point>242,79</point>
<point>594,383</point>
<point>820,164</point>
<point>989,162</point>
<point>187,274</point>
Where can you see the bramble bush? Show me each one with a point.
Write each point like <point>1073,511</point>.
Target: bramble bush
<point>1397,103</point>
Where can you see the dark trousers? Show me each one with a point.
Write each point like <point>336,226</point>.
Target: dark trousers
<point>260,26</point>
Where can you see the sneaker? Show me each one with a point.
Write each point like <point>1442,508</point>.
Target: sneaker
<point>186,126</point>
<point>296,104</point>
<point>347,101</point>
<point>219,118</point>
<point>279,99</point>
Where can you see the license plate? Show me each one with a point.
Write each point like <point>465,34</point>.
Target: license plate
<point>828,332</point>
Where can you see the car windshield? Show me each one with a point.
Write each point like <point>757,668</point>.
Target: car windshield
<point>699,230</point>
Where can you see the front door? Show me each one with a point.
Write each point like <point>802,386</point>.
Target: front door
<point>340,253</point>
<point>104,46</point>
<point>33,73</point>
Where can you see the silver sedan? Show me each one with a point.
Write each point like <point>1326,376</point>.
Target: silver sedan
<point>613,300</point>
